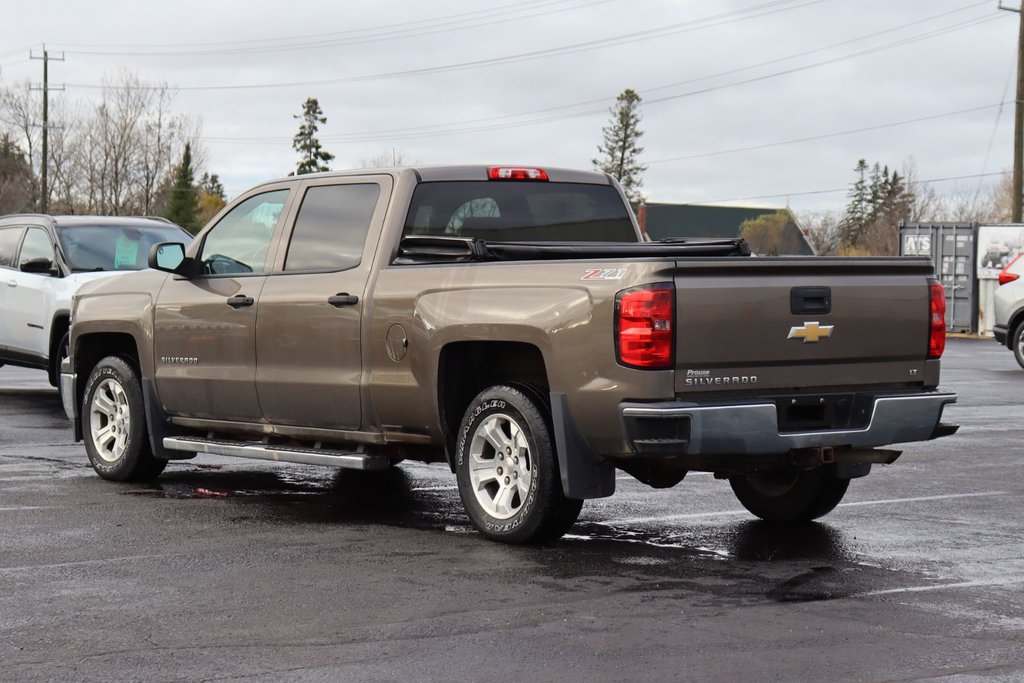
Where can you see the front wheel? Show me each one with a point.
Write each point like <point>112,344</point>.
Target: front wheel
<point>114,424</point>
<point>790,496</point>
<point>1018,344</point>
<point>507,470</point>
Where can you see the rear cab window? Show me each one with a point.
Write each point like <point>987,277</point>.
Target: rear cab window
<point>514,211</point>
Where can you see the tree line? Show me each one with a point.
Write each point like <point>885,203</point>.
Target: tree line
<point>119,155</point>
<point>128,153</point>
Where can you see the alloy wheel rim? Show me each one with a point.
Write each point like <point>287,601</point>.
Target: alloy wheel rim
<point>500,466</point>
<point>109,420</point>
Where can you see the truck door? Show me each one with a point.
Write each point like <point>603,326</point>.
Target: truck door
<point>308,332</point>
<point>205,325</point>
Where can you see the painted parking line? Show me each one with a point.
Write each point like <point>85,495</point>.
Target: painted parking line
<point>860,503</point>
<point>944,586</point>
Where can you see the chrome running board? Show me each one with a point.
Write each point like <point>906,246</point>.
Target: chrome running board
<point>262,451</point>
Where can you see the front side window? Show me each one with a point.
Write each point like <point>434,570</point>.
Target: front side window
<point>238,244</point>
<point>331,227</point>
<point>9,238</point>
<point>37,245</point>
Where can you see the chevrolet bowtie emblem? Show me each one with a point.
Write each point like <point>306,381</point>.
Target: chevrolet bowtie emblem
<point>810,332</point>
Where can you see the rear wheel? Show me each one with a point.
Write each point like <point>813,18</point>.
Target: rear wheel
<point>114,424</point>
<point>790,496</point>
<point>1018,344</point>
<point>507,469</point>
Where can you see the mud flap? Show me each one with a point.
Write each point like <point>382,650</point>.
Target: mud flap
<point>159,426</point>
<point>583,474</point>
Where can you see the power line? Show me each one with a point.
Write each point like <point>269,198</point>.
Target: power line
<point>754,11</point>
<point>929,181</point>
<point>345,38</point>
<point>335,34</point>
<point>825,136</point>
<point>489,124</point>
<point>603,101</point>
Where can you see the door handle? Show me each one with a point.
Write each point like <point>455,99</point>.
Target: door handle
<point>12,283</point>
<point>240,301</point>
<point>339,300</point>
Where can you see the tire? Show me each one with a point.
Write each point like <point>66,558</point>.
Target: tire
<point>507,469</point>
<point>114,424</point>
<point>790,496</point>
<point>1017,344</point>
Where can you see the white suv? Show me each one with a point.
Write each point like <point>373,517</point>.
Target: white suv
<point>45,259</point>
<point>1009,303</point>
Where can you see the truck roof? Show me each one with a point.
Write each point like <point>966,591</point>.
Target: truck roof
<point>462,172</point>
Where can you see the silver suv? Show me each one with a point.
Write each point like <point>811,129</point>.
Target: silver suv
<point>1009,304</point>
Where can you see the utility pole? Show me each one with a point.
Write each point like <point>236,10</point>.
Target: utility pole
<point>45,87</point>
<point>1018,120</point>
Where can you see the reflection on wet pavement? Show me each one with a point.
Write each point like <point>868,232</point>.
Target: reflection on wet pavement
<point>733,559</point>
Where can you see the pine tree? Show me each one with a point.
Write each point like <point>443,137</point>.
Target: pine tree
<point>211,185</point>
<point>312,157</point>
<point>858,208</point>
<point>182,206</point>
<point>619,151</point>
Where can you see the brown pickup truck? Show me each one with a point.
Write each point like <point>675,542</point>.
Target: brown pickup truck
<point>509,322</point>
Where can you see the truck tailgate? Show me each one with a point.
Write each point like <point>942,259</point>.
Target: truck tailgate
<point>785,324</point>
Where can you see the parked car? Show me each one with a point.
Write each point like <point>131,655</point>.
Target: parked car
<point>45,259</point>
<point>509,322</point>
<point>1009,304</point>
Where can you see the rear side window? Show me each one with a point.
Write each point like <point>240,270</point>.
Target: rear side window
<point>9,238</point>
<point>511,211</point>
<point>331,227</point>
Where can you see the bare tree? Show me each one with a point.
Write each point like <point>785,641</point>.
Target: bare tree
<point>823,231</point>
<point>388,159</point>
<point>20,110</point>
<point>65,173</point>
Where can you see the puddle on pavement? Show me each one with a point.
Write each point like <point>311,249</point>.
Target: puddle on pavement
<point>748,560</point>
<point>311,495</point>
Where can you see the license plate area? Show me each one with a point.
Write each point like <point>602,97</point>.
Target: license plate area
<point>825,411</point>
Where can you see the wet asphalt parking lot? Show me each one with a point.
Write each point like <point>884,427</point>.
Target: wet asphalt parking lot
<point>229,569</point>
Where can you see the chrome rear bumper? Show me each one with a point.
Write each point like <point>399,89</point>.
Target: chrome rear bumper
<point>692,429</point>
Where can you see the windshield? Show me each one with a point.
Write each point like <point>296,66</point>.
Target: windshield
<point>114,247</point>
<point>520,212</point>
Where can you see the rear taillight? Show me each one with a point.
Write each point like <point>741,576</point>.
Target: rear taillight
<point>1005,275</point>
<point>937,319</point>
<point>516,173</point>
<point>643,326</point>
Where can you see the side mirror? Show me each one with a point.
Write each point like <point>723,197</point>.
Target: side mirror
<point>167,256</point>
<point>41,265</point>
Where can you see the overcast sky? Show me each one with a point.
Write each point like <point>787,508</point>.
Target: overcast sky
<point>530,82</point>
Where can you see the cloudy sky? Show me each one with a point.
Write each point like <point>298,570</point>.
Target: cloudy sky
<point>745,101</point>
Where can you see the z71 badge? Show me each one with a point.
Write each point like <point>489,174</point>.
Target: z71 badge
<point>604,274</point>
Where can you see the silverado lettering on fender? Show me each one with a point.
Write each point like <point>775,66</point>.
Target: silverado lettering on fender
<point>509,322</point>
